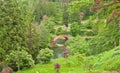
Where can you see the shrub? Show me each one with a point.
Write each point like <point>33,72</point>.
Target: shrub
<point>2,53</point>
<point>1,66</point>
<point>75,29</point>
<point>39,37</point>
<point>57,67</point>
<point>49,24</point>
<point>45,55</point>
<point>108,60</point>
<point>78,44</point>
<point>61,30</point>
<point>19,59</point>
<point>102,42</point>
<point>7,70</point>
<point>66,53</point>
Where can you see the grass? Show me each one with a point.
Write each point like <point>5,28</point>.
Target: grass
<point>92,64</point>
<point>67,66</point>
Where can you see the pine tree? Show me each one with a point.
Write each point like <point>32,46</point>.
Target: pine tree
<point>12,25</point>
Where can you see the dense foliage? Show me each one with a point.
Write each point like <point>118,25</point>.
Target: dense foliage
<point>12,27</point>
<point>28,28</point>
<point>19,59</point>
<point>78,44</point>
<point>45,55</point>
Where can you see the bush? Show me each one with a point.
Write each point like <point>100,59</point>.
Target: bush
<point>39,37</point>
<point>1,66</point>
<point>49,24</point>
<point>60,30</point>
<point>19,59</point>
<point>78,44</point>
<point>75,29</point>
<point>2,53</point>
<point>45,55</point>
<point>106,39</point>
<point>107,61</point>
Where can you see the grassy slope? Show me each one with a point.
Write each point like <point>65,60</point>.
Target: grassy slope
<point>67,66</point>
<point>106,61</point>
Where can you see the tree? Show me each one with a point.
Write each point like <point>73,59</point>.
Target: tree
<point>65,12</point>
<point>19,59</point>
<point>79,10</point>
<point>13,26</point>
<point>114,14</point>
<point>109,35</point>
<point>44,7</point>
<point>45,55</point>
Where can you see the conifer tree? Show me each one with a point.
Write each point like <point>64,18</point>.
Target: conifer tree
<point>12,25</point>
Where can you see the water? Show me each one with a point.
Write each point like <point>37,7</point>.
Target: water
<point>57,53</point>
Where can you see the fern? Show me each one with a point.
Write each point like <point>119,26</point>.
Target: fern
<point>109,60</point>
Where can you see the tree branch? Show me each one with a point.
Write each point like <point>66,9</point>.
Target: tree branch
<point>104,6</point>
